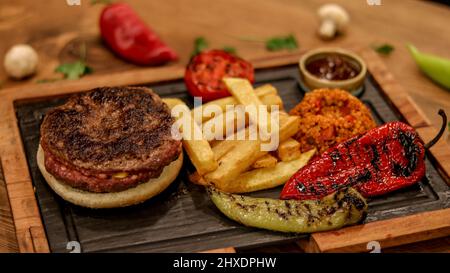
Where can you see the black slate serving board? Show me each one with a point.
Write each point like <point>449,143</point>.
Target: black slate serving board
<point>182,219</point>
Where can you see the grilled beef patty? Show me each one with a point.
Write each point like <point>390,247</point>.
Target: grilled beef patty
<point>108,131</point>
<point>95,182</point>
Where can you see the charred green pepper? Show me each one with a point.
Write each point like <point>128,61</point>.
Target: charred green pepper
<point>344,207</point>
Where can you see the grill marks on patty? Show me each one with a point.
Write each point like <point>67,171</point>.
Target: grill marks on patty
<point>110,130</point>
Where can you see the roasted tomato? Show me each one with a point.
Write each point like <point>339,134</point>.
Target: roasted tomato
<point>204,73</point>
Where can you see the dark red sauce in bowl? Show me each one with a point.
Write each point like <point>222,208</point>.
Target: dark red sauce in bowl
<point>333,67</point>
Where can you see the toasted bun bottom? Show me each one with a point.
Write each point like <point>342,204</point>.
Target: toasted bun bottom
<point>125,198</point>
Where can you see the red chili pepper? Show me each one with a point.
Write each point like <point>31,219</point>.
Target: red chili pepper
<point>129,37</point>
<point>382,160</point>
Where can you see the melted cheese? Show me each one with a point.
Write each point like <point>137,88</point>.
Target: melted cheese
<point>120,175</point>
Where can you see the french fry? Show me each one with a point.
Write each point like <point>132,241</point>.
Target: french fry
<point>220,148</point>
<point>272,99</point>
<point>228,159</point>
<point>266,89</point>
<point>241,155</point>
<point>172,102</point>
<point>289,126</point>
<point>268,97</point>
<point>267,161</point>
<point>266,178</point>
<point>243,91</point>
<point>200,155</point>
<point>289,150</point>
<point>261,91</point>
<point>197,148</point>
<point>223,125</point>
<point>233,163</point>
<point>215,142</point>
<point>223,147</point>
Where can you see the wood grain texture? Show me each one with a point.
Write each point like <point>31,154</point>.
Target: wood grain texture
<point>439,245</point>
<point>8,242</point>
<point>388,233</point>
<point>221,250</point>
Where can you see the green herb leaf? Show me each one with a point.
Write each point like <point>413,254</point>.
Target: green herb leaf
<point>73,71</point>
<point>448,126</point>
<point>229,49</point>
<point>200,44</point>
<point>46,80</point>
<point>384,49</point>
<point>93,2</point>
<point>279,43</point>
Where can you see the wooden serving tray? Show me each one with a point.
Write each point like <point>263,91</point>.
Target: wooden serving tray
<point>182,218</point>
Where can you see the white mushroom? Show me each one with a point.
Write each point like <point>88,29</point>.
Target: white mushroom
<point>20,61</point>
<point>333,19</point>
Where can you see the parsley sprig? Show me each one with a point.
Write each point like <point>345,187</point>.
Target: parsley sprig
<point>277,43</point>
<point>282,42</point>
<point>384,49</point>
<point>75,70</point>
<point>201,44</point>
<point>94,2</point>
<point>229,49</point>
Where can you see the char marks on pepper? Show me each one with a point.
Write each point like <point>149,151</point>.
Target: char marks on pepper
<point>384,159</point>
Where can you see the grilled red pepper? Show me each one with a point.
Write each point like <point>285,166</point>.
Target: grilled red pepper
<point>382,160</point>
<point>129,37</point>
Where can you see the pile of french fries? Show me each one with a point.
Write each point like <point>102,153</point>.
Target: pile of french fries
<point>239,166</point>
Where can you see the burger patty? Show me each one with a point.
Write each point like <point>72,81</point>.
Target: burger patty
<point>106,131</point>
<point>110,130</point>
<point>98,183</point>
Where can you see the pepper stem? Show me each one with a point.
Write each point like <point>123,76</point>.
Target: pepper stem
<point>441,132</point>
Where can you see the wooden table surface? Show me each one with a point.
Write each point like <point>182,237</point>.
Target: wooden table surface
<point>56,31</point>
